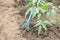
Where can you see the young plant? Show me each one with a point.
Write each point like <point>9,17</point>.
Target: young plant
<point>39,9</point>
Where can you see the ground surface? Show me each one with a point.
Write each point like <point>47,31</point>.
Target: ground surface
<point>10,20</point>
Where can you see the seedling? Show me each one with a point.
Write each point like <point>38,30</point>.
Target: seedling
<point>39,9</point>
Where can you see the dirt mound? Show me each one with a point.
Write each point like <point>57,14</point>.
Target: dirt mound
<point>9,27</point>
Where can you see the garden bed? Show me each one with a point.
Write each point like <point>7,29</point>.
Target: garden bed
<point>11,19</point>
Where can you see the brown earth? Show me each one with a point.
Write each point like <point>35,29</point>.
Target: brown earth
<point>10,20</point>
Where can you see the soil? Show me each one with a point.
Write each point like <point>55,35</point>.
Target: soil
<point>10,21</point>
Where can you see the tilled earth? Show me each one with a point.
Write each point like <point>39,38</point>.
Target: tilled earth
<point>10,20</point>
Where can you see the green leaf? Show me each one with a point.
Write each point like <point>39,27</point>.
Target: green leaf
<point>48,14</point>
<point>36,25</point>
<point>44,26</point>
<point>37,9</point>
<point>42,10</point>
<point>39,16</point>
<point>34,1</point>
<point>52,21</point>
<point>34,15</point>
<point>53,12</point>
<point>45,6</point>
<point>35,12</point>
<point>39,29</point>
<point>47,22</point>
<point>27,12</point>
<point>39,21</point>
<point>38,2</point>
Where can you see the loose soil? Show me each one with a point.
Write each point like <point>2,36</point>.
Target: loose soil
<point>11,19</point>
